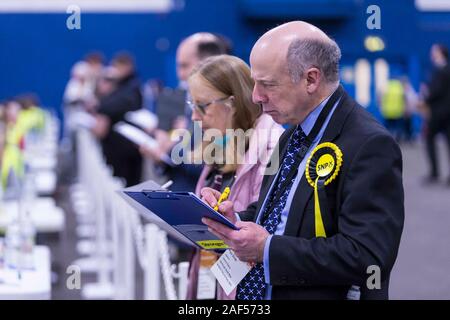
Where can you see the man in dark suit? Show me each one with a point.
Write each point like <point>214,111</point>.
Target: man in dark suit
<point>298,253</point>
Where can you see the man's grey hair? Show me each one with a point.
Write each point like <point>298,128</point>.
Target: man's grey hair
<point>306,53</point>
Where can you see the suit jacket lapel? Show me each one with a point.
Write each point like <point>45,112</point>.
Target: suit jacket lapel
<point>304,190</point>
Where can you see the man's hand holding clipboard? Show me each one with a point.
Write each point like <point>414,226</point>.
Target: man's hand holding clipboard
<point>247,242</point>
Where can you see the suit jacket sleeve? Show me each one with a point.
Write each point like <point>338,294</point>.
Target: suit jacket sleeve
<point>370,222</point>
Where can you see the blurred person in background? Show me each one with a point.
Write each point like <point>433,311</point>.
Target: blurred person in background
<point>11,113</point>
<point>12,159</point>
<point>95,60</point>
<point>190,52</point>
<point>436,108</point>
<point>194,49</point>
<point>120,153</point>
<point>2,129</point>
<point>23,119</point>
<point>151,90</point>
<point>31,116</point>
<point>393,108</point>
<point>107,82</point>
<point>221,98</point>
<point>80,89</point>
<point>411,101</point>
<point>79,95</point>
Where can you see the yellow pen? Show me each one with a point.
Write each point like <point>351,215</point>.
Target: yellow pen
<point>223,197</point>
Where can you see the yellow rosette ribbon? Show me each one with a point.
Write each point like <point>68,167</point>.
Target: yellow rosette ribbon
<point>322,167</point>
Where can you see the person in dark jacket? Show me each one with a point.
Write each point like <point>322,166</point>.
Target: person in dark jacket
<point>334,210</point>
<point>120,153</point>
<point>438,106</point>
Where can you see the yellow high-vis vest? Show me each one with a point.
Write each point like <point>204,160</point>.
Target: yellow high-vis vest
<point>393,101</point>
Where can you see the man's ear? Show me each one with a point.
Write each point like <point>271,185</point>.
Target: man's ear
<point>313,80</point>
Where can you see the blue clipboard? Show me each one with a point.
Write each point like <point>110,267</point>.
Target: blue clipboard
<point>184,211</point>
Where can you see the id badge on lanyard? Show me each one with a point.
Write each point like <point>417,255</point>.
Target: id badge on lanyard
<point>206,286</point>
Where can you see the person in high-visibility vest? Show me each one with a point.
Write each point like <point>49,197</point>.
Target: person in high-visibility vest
<point>30,117</point>
<point>12,158</point>
<point>21,118</point>
<point>393,107</point>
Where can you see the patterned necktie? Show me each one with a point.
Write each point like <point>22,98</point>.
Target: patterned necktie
<point>253,286</point>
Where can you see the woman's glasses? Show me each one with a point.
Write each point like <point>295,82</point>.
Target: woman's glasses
<point>202,107</point>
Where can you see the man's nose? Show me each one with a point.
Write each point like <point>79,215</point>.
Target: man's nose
<point>258,95</point>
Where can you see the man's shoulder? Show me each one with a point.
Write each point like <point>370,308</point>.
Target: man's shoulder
<point>446,69</point>
<point>352,122</point>
<point>360,125</point>
<point>361,130</point>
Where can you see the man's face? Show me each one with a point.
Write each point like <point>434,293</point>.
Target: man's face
<point>123,69</point>
<point>434,55</point>
<point>284,101</point>
<point>437,57</point>
<point>12,111</point>
<point>186,60</point>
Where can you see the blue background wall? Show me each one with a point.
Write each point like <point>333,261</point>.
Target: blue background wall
<point>37,50</point>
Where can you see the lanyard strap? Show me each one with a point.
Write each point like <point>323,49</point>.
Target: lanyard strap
<point>304,148</point>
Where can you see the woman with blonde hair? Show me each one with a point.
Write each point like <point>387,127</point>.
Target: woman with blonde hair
<point>220,91</point>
